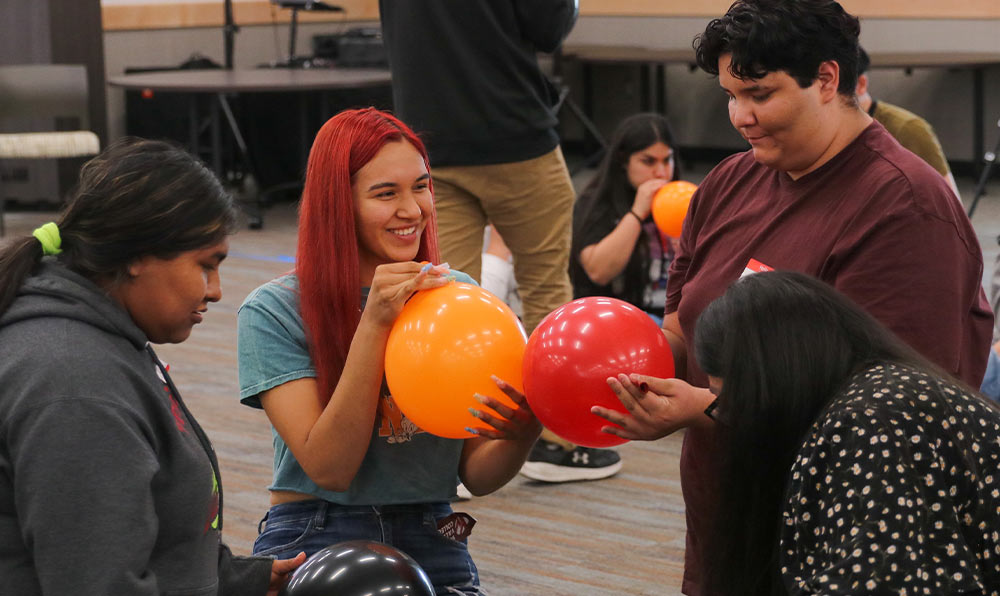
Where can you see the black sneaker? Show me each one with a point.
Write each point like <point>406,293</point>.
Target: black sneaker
<point>549,462</point>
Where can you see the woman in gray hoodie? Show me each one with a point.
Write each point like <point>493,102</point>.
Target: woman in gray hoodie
<point>108,485</point>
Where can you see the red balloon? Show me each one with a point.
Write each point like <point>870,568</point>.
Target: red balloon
<point>575,349</point>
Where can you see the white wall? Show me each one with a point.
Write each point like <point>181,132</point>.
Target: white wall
<point>696,107</point>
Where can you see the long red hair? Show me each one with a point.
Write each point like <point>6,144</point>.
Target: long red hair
<point>327,258</point>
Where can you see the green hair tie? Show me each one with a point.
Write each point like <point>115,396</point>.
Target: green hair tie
<point>48,235</point>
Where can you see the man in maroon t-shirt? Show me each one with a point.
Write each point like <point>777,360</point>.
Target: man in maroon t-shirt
<point>823,190</point>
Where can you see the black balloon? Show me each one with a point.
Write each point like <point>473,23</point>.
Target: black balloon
<point>358,568</point>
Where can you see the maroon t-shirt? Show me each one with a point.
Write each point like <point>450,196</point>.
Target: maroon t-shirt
<point>876,222</point>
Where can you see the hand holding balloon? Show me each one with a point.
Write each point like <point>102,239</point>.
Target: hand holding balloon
<point>359,568</point>
<point>643,203</point>
<point>280,569</point>
<point>393,285</point>
<point>516,423</point>
<point>656,407</point>
<point>571,354</point>
<point>442,350</point>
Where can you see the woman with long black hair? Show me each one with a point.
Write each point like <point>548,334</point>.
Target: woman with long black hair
<point>615,243</point>
<point>851,464</point>
<point>848,463</point>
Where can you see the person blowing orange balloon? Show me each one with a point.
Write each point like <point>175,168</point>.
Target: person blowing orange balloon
<point>614,243</point>
<point>616,252</point>
<point>348,464</point>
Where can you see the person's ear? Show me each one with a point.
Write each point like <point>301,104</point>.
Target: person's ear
<point>828,77</point>
<point>136,268</point>
<point>862,87</point>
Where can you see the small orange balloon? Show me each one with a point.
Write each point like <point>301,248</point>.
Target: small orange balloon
<point>670,205</point>
<point>443,348</point>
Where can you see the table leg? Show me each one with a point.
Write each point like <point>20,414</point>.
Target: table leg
<point>255,216</point>
<point>193,125</point>
<point>978,118</point>
<point>216,141</point>
<point>989,160</point>
<point>324,107</point>
<point>661,89</point>
<point>644,87</point>
<point>303,130</point>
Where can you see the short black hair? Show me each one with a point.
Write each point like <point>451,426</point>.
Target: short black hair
<point>794,36</point>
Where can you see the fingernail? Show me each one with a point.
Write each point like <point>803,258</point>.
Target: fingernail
<point>426,268</point>
<point>445,265</point>
<point>644,387</point>
<point>498,380</point>
<point>471,430</point>
<point>474,412</point>
<point>479,398</point>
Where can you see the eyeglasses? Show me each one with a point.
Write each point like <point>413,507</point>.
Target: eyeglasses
<point>712,407</point>
<point>719,416</point>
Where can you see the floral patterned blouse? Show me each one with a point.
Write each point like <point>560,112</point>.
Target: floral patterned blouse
<point>896,490</point>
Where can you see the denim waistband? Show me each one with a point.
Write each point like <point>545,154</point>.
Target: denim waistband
<point>319,509</point>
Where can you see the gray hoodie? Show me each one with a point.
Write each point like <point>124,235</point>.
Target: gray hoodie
<point>107,483</point>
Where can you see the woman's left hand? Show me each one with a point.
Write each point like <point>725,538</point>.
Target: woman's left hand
<point>280,569</point>
<point>656,407</point>
<point>517,423</point>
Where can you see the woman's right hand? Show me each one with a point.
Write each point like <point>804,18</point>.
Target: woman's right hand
<point>394,283</point>
<point>643,203</point>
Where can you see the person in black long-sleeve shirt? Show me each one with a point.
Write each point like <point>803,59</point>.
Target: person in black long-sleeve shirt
<point>465,77</point>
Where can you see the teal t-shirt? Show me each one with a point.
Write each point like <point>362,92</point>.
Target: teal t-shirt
<point>403,464</point>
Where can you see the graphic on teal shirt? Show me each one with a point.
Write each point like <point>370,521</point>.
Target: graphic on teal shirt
<point>392,422</point>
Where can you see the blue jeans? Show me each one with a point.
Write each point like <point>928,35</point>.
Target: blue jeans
<point>991,381</point>
<point>310,526</point>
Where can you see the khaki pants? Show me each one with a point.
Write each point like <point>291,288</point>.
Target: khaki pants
<point>530,203</point>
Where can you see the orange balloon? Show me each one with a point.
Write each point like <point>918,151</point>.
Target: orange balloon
<point>443,348</point>
<point>670,205</point>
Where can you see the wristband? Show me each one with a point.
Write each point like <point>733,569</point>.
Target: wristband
<point>636,216</point>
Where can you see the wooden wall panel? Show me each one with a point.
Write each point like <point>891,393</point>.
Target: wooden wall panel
<point>169,15</point>
<point>180,14</point>
<point>890,9</point>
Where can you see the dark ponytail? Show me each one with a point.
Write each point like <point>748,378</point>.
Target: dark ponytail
<point>17,260</point>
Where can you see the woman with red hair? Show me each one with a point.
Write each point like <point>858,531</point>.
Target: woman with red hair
<point>347,464</point>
